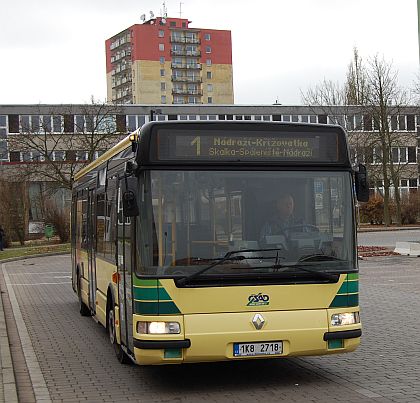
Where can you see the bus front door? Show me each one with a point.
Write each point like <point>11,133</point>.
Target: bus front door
<point>125,239</point>
<point>91,250</point>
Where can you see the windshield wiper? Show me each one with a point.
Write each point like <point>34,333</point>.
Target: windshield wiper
<point>320,257</point>
<point>302,267</point>
<point>227,257</point>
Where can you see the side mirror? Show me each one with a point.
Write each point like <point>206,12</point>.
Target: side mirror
<point>361,182</point>
<point>129,197</point>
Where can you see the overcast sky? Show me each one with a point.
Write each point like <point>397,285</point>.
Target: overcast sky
<point>53,51</point>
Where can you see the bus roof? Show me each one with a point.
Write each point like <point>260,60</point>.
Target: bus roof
<point>120,146</point>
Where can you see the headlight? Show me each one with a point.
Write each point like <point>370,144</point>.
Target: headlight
<point>348,318</point>
<point>158,328</point>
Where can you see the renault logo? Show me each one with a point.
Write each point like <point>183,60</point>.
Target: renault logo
<point>258,321</point>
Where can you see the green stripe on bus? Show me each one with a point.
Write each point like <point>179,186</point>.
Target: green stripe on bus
<point>167,308</point>
<point>352,286</point>
<point>352,276</point>
<point>353,300</point>
<point>339,301</point>
<point>151,294</point>
<point>345,301</point>
<point>343,288</point>
<point>146,308</point>
<point>146,283</point>
<point>348,287</point>
<point>155,308</point>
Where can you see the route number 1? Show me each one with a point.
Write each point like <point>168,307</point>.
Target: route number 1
<point>197,143</point>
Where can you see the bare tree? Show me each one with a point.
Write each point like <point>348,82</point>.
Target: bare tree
<point>13,209</point>
<point>386,99</point>
<point>369,98</point>
<point>64,140</point>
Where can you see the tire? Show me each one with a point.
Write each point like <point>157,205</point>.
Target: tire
<point>119,352</point>
<point>84,309</point>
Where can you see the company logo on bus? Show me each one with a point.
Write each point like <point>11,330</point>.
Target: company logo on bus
<point>258,299</point>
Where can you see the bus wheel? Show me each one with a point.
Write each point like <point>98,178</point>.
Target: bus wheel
<point>119,352</point>
<point>84,309</point>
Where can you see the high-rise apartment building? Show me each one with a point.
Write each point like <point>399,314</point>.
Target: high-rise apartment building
<point>164,61</point>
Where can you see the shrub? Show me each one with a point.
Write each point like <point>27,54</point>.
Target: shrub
<point>410,208</point>
<point>373,210</point>
<point>59,219</point>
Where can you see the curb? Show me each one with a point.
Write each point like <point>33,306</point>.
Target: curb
<point>387,229</point>
<point>15,259</point>
<point>7,370</point>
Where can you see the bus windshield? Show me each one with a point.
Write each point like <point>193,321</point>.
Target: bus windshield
<point>264,220</point>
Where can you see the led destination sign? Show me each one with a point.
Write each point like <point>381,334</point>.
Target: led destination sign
<point>246,146</point>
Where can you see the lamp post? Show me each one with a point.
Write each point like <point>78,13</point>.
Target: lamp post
<point>154,112</point>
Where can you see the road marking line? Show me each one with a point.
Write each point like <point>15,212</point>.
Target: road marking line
<point>27,284</point>
<point>45,273</point>
<point>39,385</point>
<point>393,283</point>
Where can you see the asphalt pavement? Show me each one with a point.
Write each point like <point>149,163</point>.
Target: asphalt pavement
<point>69,358</point>
<point>45,283</point>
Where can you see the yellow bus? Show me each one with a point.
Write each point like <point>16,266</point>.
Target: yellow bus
<point>211,241</point>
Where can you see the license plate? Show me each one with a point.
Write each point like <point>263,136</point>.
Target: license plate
<point>253,349</point>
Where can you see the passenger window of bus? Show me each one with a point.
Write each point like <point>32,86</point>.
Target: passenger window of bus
<point>109,240</point>
<point>100,224</point>
<point>84,232</point>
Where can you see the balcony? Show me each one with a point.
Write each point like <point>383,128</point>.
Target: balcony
<point>183,39</point>
<point>186,79</point>
<point>184,52</point>
<point>196,66</point>
<point>184,91</point>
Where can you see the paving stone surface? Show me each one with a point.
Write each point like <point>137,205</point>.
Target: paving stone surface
<point>77,364</point>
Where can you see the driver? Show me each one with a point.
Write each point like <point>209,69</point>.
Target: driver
<point>282,219</point>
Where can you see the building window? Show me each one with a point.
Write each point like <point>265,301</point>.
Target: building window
<point>161,46</point>
<point>401,122</point>
<point>209,100</point>
<point>2,120</point>
<point>403,155</point>
<point>57,126</point>
<point>207,37</point>
<point>393,122</point>
<point>13,123</point>
<point>412,154</point>
<point>162,72</point>
<point>172,23</point>
<point>163,99</point>
<point>161,34</point>
<point>132,124</point>
<point>163,86</point>
<point>80,123</point>
<point>208,62</point>
<point>209,87</point>
<point>411,122</point>
<point>162,59</point>
<point>24,123</point>
<point>209,75</point>
<point>208,49</point>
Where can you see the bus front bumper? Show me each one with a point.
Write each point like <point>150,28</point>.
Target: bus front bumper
<point>212,337</point>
